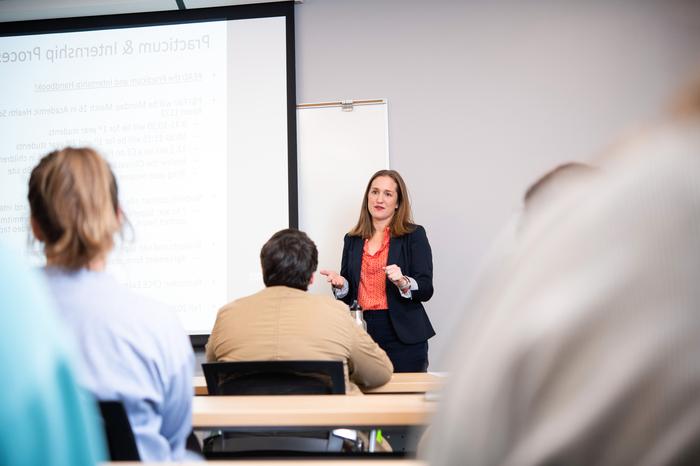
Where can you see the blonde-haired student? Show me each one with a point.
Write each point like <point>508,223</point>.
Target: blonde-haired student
<point>133,349</point>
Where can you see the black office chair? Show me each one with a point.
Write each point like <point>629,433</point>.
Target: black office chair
<point>273,378</point>
<point>120,437</point>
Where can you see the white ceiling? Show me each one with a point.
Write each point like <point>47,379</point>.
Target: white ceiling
<point>20,10</point>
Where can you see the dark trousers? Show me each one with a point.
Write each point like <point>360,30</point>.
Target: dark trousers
<point>405,357</point>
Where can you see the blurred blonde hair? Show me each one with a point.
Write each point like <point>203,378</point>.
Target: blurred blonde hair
<point>686,103</point>
<point>73,201</point>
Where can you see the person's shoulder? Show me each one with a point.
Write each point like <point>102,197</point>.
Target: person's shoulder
<point>416,231</point>
<point>150,325</point>
<point>332,312</point>
<point>327,302</point>
<point>165,327</point>
<point>244,302</point>
<point>139,304</point>
<point>128,304</point>
<point>160,315</point>
<point>352,241</point>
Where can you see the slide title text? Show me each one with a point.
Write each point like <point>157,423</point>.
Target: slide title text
<point>128,47</point>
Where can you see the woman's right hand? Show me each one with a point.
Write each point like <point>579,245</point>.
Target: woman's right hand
<point>336,280</point>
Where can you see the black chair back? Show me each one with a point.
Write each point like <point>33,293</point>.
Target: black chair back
<point>275,378</point>
<point>120,437</point>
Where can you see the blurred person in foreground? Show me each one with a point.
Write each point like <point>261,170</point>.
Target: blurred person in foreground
<point>132,349</point>
<point>285,322</point>
<point>45,418</point>
<point>558,182</point>
<point>591,353</point>
<point>565,180</point>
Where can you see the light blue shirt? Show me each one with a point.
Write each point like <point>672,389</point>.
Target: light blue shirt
<point>45,418</point>
<point>133,350</point>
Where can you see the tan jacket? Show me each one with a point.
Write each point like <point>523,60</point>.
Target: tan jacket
<point>281,323</point>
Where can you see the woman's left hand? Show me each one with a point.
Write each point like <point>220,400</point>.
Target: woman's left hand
<point>394,274</point>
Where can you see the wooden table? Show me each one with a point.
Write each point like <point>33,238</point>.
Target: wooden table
<point>219,412</point>
<point>410,382</point>
<point>406,382</point>
<point>200,385</point>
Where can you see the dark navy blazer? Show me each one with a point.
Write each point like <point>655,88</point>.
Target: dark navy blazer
<point>412,253</point>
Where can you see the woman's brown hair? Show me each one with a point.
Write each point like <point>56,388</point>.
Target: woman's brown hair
<point>73,201</point>
<point>401,222</point>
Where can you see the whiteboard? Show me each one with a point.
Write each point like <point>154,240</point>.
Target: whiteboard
<point>337,152</point>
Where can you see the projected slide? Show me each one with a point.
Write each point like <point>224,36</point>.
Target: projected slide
<point>178,111</point>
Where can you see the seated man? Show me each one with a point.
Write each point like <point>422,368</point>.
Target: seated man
<point>284,322</point>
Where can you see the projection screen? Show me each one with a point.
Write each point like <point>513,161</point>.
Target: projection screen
<point>195,112</point>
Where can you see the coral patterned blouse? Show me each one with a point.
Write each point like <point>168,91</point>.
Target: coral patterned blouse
<point>372,292</point>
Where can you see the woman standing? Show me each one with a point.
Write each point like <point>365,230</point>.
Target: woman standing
<point>387,267</point>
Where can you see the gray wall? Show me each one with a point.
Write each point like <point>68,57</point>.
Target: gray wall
<point>485,96</point>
